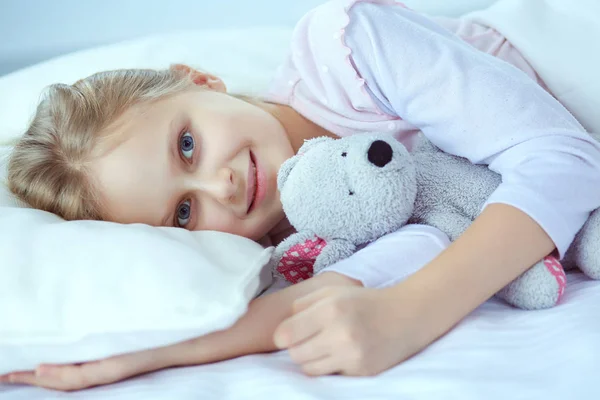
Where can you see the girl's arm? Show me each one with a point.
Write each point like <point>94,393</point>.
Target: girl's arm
<point>252,333</point>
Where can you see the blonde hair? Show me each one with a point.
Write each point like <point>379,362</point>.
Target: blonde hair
<point>48,168</point>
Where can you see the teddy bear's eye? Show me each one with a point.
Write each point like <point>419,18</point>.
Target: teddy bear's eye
<point>350,193</point>
<point>344,154</point>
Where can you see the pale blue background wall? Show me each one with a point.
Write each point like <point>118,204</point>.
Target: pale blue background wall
<point>34,30</point>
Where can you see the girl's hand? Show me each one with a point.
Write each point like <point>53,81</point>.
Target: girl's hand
<point>352,331</point>
<point>81,376</point>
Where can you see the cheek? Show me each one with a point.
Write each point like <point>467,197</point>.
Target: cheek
<point>221,141</point>
<point>219,219</point>
<point>216,219</point>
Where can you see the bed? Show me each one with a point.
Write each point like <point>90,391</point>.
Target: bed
<point>497,352</point>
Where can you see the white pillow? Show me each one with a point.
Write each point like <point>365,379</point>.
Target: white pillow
<point>83,290</point>
<point>84,284</point>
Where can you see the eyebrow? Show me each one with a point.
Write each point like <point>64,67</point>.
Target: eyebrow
<point>173,155</point>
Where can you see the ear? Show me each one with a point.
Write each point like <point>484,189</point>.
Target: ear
<point>309,144</point>
<point>201,78</point>
<point>284,171</point>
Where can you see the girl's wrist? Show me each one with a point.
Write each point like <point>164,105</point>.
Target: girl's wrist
<point>429,309</point>
<point>337,278</point>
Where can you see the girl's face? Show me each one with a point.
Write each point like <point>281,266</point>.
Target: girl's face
<point>201,160</point>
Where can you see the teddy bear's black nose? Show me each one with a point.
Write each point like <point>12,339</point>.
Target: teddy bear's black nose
<point>380,153</point>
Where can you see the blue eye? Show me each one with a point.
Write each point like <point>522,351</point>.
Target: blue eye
<point>184,212</point>
<point>186,145</point>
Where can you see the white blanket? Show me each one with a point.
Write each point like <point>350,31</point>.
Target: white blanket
<point>561,40</point>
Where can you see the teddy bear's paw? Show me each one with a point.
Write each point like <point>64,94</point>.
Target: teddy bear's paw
<point>588,261</point>
<point>336,250</point>
<point>586,247</point>
<point>540,287</point>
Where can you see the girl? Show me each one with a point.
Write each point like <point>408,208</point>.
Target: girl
<point>172,148</point>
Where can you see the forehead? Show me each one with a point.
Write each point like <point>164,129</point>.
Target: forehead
<point>134,120</point>
<point>132,168</point>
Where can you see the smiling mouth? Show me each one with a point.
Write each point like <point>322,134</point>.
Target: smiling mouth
<point>254,182</point>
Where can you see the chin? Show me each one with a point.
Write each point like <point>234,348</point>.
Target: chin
<point>259,231</point>
<point>253,232</point>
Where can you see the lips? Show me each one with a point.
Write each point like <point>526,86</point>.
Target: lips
<point>251,184</point>
<point>257,183</point>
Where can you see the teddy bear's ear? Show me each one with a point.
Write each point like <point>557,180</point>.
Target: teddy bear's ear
<point>308,144</point>
<point>284,171</point>
<point>288,165</point>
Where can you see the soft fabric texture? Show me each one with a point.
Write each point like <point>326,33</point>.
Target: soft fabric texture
<point>343,193</point>
<point>393,257</point>
<point>560,40</point>
<point>348,57</point>
<point>496,353</point>
<point>76,291</point>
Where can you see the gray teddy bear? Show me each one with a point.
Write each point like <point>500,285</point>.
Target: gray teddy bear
<point>340,194</point>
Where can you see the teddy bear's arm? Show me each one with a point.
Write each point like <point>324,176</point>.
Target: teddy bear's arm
<point>584,252</point>
<point>293,258</point>
<point>334,251</point>
<point>539,287</point>
<point>288,243</point>
<point>450,222</point>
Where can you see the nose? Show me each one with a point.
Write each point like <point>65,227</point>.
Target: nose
<point>380,153</point>
<point>224,188</point>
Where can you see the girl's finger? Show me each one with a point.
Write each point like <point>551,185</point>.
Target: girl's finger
<point>324,366</point>
<point>4,378</point>
<point>305,302</point>
<point>24,377</point>
<point>313,349</point>
<point>31,378</point>
<point>296,329</point>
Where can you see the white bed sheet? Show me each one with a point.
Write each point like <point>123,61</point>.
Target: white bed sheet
<point>497,353</point>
